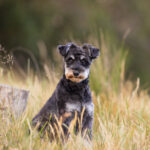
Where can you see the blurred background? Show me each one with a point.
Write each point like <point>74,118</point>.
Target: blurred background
<point>32,29</point>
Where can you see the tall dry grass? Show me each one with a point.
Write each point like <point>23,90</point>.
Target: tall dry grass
<point>121,116</point>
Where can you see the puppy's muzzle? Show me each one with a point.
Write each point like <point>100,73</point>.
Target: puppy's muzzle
<point>74,76</point>
<point>76,73</point>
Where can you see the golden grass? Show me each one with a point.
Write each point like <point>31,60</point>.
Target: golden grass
<point>121,120</point>
<point>121,116</point>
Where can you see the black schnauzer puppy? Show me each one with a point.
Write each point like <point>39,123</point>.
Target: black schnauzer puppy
<point>72,94</point>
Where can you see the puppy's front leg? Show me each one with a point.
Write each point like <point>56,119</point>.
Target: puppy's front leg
<point>87,130</point>
<point>47,113</point>
<point>87,123</point>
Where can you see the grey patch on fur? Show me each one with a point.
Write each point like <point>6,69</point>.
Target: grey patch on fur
<point>89,107</point>
<point>82,57</point>
<point>85,73</point>
<point>68,46</point>
<point>72,56</point>
<point>71,107</point>
<point>67,70</point>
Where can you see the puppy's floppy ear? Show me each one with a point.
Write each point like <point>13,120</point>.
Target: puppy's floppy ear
<point>92,51</point>
<point>63,49</point>
<point>95,52</point>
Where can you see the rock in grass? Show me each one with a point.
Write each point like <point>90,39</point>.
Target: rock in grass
<point>12,100</point>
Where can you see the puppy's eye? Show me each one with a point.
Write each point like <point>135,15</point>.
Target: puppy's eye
<point>70,60</point>
<point>84,62</point>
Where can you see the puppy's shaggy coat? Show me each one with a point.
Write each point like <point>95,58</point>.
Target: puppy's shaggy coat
<point>72,93</point>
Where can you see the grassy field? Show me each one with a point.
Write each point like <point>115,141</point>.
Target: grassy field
<point>121,117</point>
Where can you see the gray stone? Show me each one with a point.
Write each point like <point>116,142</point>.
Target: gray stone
<point>12,100</point>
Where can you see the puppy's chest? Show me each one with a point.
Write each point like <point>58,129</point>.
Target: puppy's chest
<point>73,106</point>
<point>74,103</point>
<point>69,106</point>
<point>76,106</point>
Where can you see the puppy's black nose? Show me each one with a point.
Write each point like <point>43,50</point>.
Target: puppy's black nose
<point>75,73</point>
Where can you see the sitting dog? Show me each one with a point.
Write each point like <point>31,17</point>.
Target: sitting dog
<point>72,93</point>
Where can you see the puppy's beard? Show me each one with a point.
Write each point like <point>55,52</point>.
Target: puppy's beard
<point>82,76</point>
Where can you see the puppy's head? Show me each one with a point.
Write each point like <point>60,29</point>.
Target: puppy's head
<point>78,60</point>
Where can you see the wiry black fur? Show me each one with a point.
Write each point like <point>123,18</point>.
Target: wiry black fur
<point>68,92</point>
